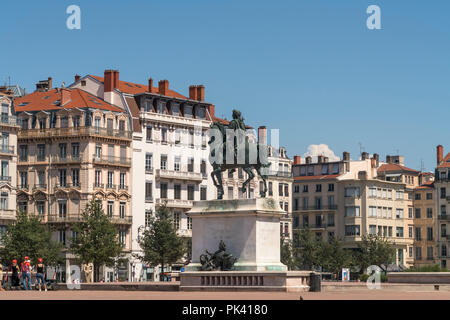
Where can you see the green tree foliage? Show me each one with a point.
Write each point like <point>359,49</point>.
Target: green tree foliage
<point>374,250</point>
<point>333,256</point>
<point>96,239</point>
<point>307,250</point>
<point>27,236</point>
<point>287,254</point>
<point>160,243</point>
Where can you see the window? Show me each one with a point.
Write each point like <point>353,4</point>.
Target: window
<point>318,188</point>
<point>149,191</point>
<point>410,213</point>
<point>324,169</point>
<point>305,188</point>
<point>24,179</point>
<point>98,151</point>
<point>352,230</point>
<point>419,253</point>
<point>5,170</point>
<point>163,191</point>
<point>62,208</point>
<point>389,194</point>
<point>417,196</point>
<point>148,162</point>
<point>280,189</point>
<point>76,121</point>
<point>76,177</point>
<point>191,138</point>
<point>164,135</point>
<point>372,192</point>
<point>310,170</point>
<point>148,218</point>
<point>399,232</point>
<point>75,150</point>
<point>230,193</point>
<point>41,152</point>
<point>23,206</point>
<point>270,189</point>
<point>177,191</point>
<point>418,234</point>
<point>163,162</point>
<point>110,208</point>
<point>372,211</point>
<point>390,231</point>
<point>190,190</point>
<point>399,195</point>
<point>62,237</point>
<point>430,233</point>
<point>352,211</point>
<point>64,122</point>
<point>352,192</point>
<point>417,213</point>
<point>62,177</point>
<point>330,220</point>
<point>63,150</point>
<point>148,134</point>
<point>203,168</point>
<point>203,193</point>
<point>40,208</point>
<point>122,237</point>
<point>122,180</point>
<point>189,223</point>
<point>305,221</point>
<point>191,165</point>
<point>296,189</point>
<point>399,213</point>
<point>305,203</point>
<point>429,253</point>
<point>331,187</point>
<point>176,220</point>
<point>429,196</point>
<point>335,168</point>
<point>4,201</point>
<point>23,153</point>
<point>429,213</point>
<point>303,171</point>
<point>110,181</point>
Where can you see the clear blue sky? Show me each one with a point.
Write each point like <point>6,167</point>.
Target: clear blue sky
<point>310,68</point>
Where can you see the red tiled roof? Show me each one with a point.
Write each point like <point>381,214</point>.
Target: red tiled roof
<point>426,185</point>
<point>321,177</point>
<point>134,88</point>
<point>41,101</point>
<point>446,162</point>
<point>393,167</point>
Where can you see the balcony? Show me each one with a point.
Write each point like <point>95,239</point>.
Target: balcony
<point>443,216</point>
<point>5,178</point>
<point>121,220</point>
<point>111,160</point>
<point>98,185</point>
<point>75,185</point>
<point>174,203</point>
<point>23,187</point>
<point>8,150</point>
<point>67,159</point>
<point>41,186</point>
<point>64,218</point>
<point>123,187</point>
<point>318,208</point>
<point>149,170</point>
<point>179,175</point>
<point>74,132</point>
<point>7,120</point>
<point>281,174</point>
<point>111,186</point>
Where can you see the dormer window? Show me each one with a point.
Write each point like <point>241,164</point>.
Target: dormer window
<point>42,123</point>
<point>187,111</point>
<point>25,124</point>
<point>175,108</point>
<point>201,113</point>
<point>64,122</point>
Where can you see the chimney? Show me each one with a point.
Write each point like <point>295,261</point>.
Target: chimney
<point>163,87</point>
<point>77,77</point>
<point>364,156</point>
<point>376,156</point>
<point>320,159</point>
<point>193,92</point>
<point>108,81</point>
<point>65,96</point>
<point>388,159</point>
<point>150,85</point>
<point>116,79</point>
<point>50,83</point>
<point>439,154</point>
<point>346,156</point>
<point>308,160</point>
<point>211,109</point>
<point>297,159</point>
<point>325,159</point>
<point>262,135</point>
<point>201,93</point>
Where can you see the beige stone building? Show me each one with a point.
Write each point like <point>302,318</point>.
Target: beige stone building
<point>351,198</point>
<point>442,187</point>
<point>8,159</point>
<point>425,222</point>
<point>74,147</point>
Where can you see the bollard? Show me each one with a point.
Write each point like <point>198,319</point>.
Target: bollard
<point>315,284</point>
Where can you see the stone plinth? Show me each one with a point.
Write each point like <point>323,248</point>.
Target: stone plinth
<point>286,281</point>
<point>250,229</point>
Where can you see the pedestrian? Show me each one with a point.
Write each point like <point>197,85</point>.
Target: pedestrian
<point>14,274</point>
<point>26,273</point>
<point>1,276</point>
<point>40,274</point>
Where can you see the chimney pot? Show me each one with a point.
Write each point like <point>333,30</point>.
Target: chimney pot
<point>262,135</point>
<point>108,81</point>
<point>193,92</point>
<point>150,85</point>
<point>346,156</point>
<point>308,160</point>
<point>201,93</point>
<point>297,159</point>
<point>77,77</point>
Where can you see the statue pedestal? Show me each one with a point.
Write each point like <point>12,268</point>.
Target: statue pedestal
<point>250,229</point>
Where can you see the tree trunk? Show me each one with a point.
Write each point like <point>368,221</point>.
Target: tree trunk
<point>161,275</point>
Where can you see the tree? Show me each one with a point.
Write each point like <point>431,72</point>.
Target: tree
<point>160,243</point>
<point>333,256</point>
<point>96,238</point>
<point>27,236</point>
<point>307,250</point>
<point>374,250</point>
<point>286,254</point>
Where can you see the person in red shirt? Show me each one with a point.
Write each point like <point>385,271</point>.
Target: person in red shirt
<point>25,266</point>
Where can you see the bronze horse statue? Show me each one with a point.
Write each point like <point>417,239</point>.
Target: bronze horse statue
<point>236,124</point>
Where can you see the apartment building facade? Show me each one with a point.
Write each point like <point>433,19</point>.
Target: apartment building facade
<point>351,198</point>
<point>442,187</point>
<point>8,158</point>
<point>169,152</point>
<point>74,147</point>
